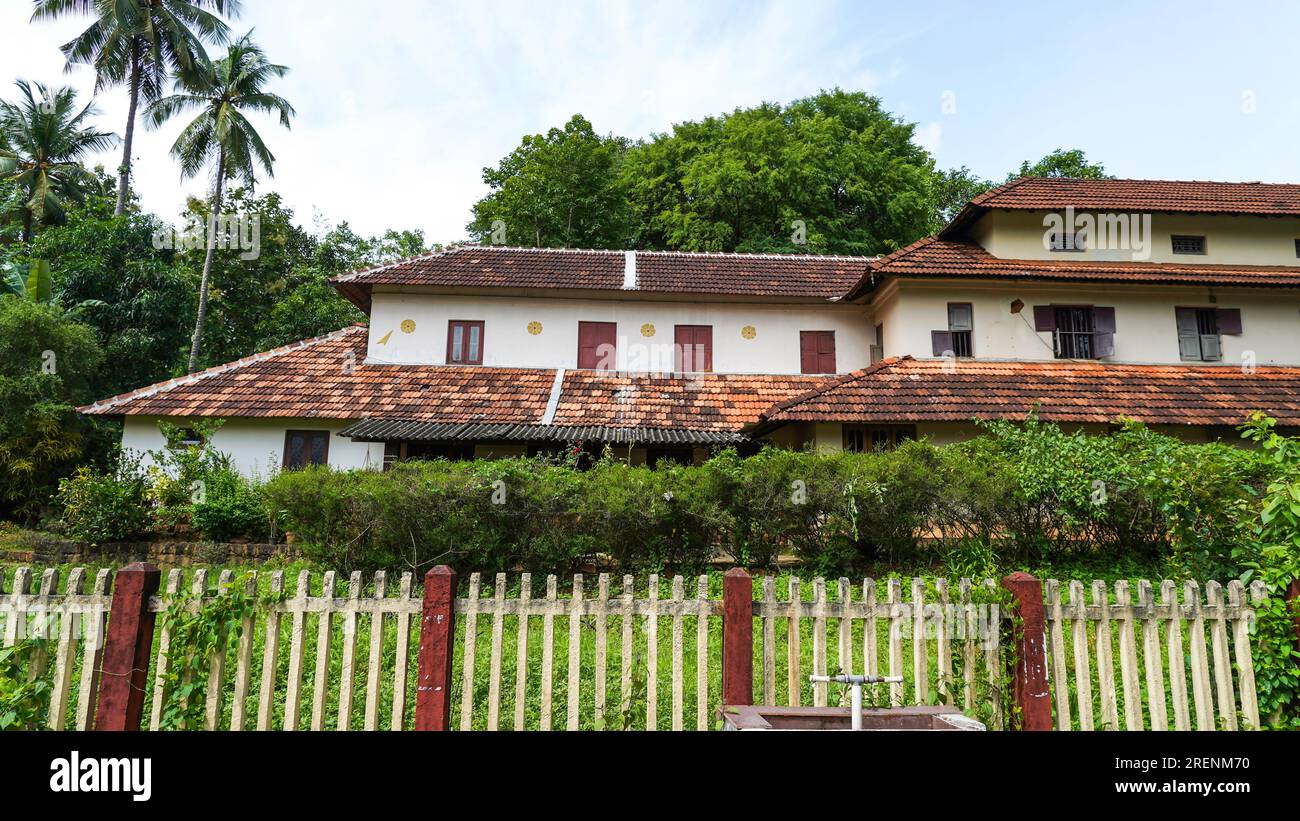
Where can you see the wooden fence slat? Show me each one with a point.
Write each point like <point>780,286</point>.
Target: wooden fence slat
<point>942,642</point>
<point>270,656</point>
<point>793,637</point>
<point>297,653</point>
<point>844,629</point>
<point>626,659</point>
<point>92,651</point>
<point>920,649</point>
<point>1202,695</point>
<point>652,657</point>
<point>42,623</point>
<point>348,668</point>
<point>819,640</point>
<point>1056,638</point>
<point>243,659</point>
<point>16,624</point>
<point>769,640</point>
<point>548,652</point>
<point>1082,663</point>
<point>1151,658</point>
<point>1222,667</point>
<point>870,649</point>
<point>896,640</point>
<point>217,666</point>
<point>602,649</point>
<point>968,658</point>
<point>1128,657</point>
<point>494,659</point>
<point>375,660</point>
<point>521,651</point>
<point>162,662</point>
<point>471,646</point>
<point>65,655</point>
<point>679,657</point>
<point>1105,658</point>
<point>320,684</point>
<point>992,652</point>
<point>397,721</point>
<point>702,654</point>
<point>1174,652</point>
<point>1241,649</point>
<point>575,653</point>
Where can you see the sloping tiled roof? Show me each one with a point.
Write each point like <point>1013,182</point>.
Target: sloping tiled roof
<point>911,390</point>
<point>757,275</point>
<point>932,257</point>
<point>1049,193</point>
<point>327,377</point>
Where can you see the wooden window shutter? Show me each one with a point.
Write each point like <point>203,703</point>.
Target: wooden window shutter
<point>1103,332</point>
<point>597,345</point>
<point>1189,338</point>
<point>1229,321</point>
<point>941,343</point>
<point>817,351</point>
<point>693,348</point>
<point>1044,318</point>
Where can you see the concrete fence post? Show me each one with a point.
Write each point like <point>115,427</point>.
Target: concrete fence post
<point>737,638</point>
<point>125,666</point>
<point>1031,689</point>
<point>437,640</point>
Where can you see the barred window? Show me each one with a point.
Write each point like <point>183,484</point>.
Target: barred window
<point>1188,244</point>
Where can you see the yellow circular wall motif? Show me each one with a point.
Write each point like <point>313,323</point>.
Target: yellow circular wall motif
<point>408,325</point>
<point>534,328</point>
<point>647,330</point>
<point>748,332</point>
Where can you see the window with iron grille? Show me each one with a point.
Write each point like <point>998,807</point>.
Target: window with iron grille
<point>1188,244</point>
<point>961,325</point>
<point>1065,242</point>
<point>1074,329</point>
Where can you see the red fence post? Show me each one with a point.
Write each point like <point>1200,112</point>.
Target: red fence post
<point>737,637</point>
<point>126,650</point>
<point>1031,690</point>
<point>437,638</point>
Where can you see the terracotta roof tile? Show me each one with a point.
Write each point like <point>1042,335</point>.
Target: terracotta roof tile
<point>1190,196</point>
<point>328,377</point>
<point>911,390</point>
<point>933,257</point>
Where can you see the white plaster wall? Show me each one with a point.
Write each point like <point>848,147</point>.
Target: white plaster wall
<point>257,445</point>
<point>1229,240</point>
<point>507,343</point>
<point>1145,326</point>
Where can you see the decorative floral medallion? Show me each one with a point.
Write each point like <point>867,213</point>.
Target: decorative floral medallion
<point>748,332</point>
<point>534,327</point>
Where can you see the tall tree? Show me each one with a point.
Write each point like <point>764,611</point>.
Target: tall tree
<point>43,138</point>
<point>221,137</point>
<point>558,189</point>
<point>1062,163</point>
<point>140,43</point>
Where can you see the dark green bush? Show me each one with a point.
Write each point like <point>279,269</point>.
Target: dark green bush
<point>109,506</point>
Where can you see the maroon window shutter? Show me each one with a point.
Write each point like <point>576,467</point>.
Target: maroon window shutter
<point>817,351</point>
<point>597,343</point>
<point>941,342</point>
<point>1229,320</point>
<point>826,352</point>
<point>693,348</point>
<point>1103,320</point>
<point>1044,318</point>
<point>808,351</point>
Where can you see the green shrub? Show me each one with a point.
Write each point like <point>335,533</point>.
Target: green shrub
<point>227,506</point>
<point>107,506</point>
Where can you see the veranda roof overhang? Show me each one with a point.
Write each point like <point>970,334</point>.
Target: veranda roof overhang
<point>394,430</point>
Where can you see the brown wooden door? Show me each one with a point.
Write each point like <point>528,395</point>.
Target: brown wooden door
<point>598,345</point>
<point>693,348</point>
<point>817,351</point>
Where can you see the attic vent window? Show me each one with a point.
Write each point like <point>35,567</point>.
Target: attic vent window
<point>1188,244</point>
<point>1297,248</point>
<point>1065,242</point>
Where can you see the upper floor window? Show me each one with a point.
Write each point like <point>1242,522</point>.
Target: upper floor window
<point>1078,331</point>
<point>1200,332</point>
<point>1065,242</point>
<point>598,345</point>
<point>1184,244</point>
<point>185,439</point>
<point>306,447</point>
<point>817,351</point>
<point>956,341</point>
<point>864,438</point>
<point>465,342</point>
<point>693,348</point>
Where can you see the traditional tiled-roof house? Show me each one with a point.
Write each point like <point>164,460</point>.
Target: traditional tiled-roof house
<point>1174,303</point>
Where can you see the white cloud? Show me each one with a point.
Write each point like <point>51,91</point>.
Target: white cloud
<point>929,137</point>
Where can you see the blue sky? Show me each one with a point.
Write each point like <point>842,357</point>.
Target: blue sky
<point>402,102</point>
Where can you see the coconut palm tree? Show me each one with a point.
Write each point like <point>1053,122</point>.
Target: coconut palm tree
<point>43,139</point>
<point>140,43</point>
<point>222,137</point>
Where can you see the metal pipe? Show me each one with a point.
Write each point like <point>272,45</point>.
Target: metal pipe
<point>855,690</point>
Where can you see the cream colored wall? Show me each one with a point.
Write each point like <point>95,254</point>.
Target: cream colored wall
<point>1145,327</point>
<point>256,446</point>
<point>507,342</point>
<point>1229,240</point>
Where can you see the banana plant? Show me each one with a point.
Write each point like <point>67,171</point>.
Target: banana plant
<point>34,283</point>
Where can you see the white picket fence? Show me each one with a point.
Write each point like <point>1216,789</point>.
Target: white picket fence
<point>646,657</point>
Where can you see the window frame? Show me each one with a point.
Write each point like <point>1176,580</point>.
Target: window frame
<point>466,324</point>
<point>966,349</point>
<point>1075,336</point>
<point>1203,317</point>
<point>308,435</point>
<point>818,354</point>
<point>695,331</point>
<point>854,437</point>
<point>582,323</point>
<point>1174,239</point>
